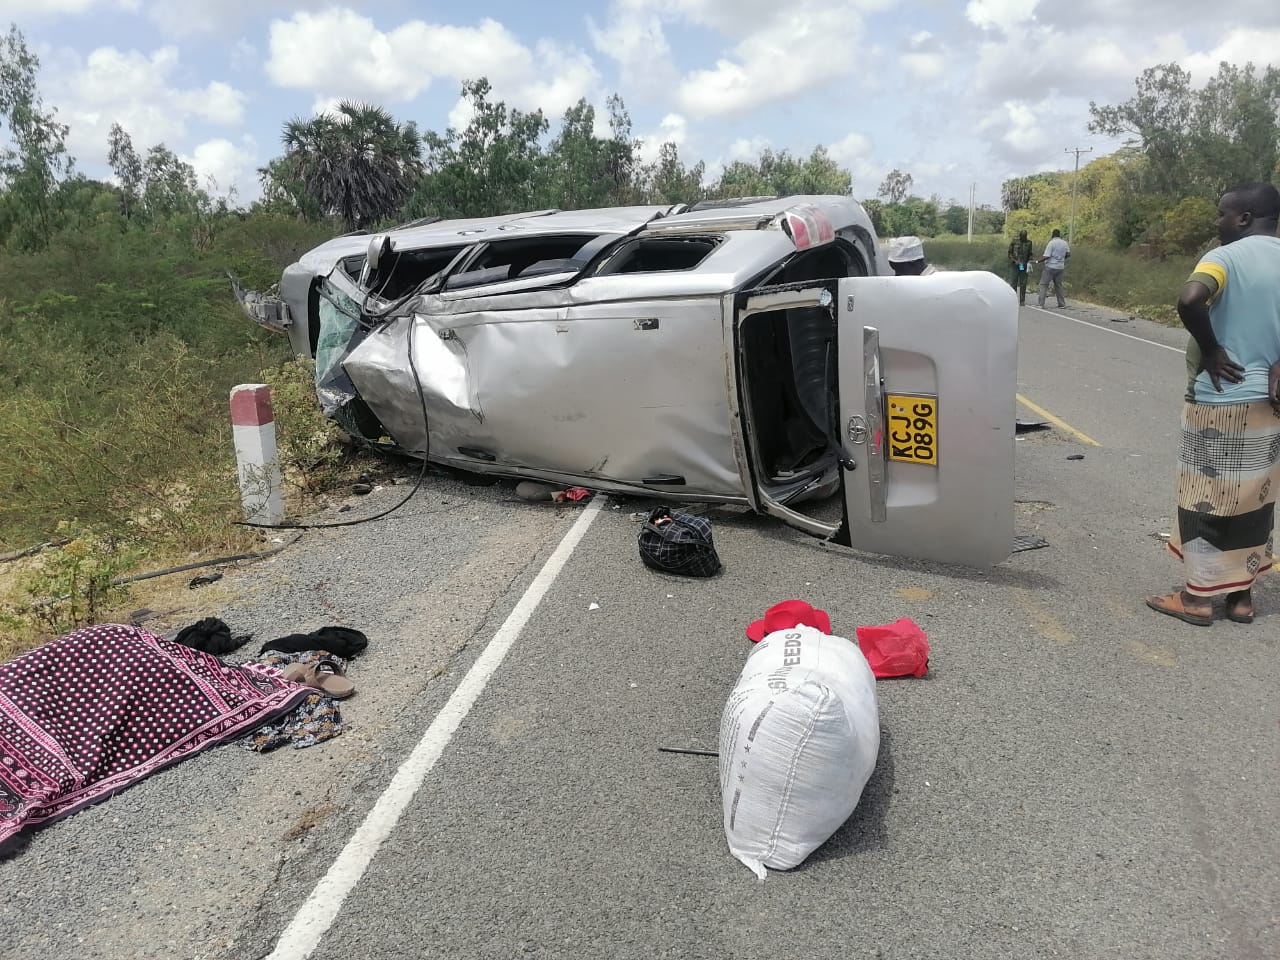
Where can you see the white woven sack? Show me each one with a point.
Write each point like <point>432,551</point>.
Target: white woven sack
<point>798,741</point>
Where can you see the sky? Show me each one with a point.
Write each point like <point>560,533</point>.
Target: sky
<point>958,93</point>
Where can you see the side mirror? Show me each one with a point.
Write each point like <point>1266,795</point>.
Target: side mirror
<point>379,246</point>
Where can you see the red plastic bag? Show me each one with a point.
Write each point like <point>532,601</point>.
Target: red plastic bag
<point>898,649</point>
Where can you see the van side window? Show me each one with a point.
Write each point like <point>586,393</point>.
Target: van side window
<point>658,255</point>
<point>519,259</point>
<point>402,271</point>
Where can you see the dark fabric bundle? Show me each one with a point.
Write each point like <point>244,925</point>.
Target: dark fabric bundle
<point>678,543</point>
<point>210,635</point>
<point>340,641</point>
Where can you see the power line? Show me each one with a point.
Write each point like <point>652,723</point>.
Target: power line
<point>1071,231</point>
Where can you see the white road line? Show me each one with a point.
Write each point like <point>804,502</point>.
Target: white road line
<point>319,911</point>
<point>1127,336</point>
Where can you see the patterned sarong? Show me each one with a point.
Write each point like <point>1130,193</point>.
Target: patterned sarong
<point>1228,471</point>
<point>85,716</point>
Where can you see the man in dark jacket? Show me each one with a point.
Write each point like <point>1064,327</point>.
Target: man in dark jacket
<point>1019,257</point>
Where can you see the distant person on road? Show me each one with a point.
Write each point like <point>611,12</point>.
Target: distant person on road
<point>1019,257</point>
<point>1056,253</point>
<point>1229,458</point>
<point>906,256</point>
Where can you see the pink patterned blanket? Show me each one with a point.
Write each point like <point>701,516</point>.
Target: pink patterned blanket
<point>91,713</point>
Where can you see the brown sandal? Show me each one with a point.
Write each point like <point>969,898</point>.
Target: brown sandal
<point>327,681</point>
<point>1173,605</point>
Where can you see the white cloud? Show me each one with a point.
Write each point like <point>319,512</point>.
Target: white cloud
<point>1262,47</point>
<point>26,10</point>
<point>199,17</point>
<point>1017,125</point>
<point>635,38</point>
<point>855,152</point>
<point>325,105</point>
<point>339,53</point>
<point>850,148</point>
<point>999,15</point>
<point>136,90</point>
<point>244,55</point>
<point>748,149</point>
<point>778,51</point>
<point>225,169</point>
<point>923,57</point>
<point>673,129</point>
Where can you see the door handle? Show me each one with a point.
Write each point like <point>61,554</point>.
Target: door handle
<point>873,391</point>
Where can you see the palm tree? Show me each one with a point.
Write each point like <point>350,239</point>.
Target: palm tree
<point>356,163</point>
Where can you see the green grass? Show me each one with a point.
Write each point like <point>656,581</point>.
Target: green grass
<point>1122,280</point>
<point>119,351</point>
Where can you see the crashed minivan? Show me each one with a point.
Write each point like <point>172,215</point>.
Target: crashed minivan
<point>755,352</point>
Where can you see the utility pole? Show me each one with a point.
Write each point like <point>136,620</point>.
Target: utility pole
<point>973,187</point>
<point>1071,231</point>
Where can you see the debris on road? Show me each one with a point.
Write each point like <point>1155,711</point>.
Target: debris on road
<point>692,753</point>
<point>536,492</point>
<point>1076,456</point>
<point>1029,426</point>
<point>1025,543</point>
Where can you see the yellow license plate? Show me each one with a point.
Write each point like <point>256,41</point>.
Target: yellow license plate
<point>913,429</point>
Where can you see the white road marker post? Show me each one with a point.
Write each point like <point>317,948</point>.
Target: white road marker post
<point>253,429</point>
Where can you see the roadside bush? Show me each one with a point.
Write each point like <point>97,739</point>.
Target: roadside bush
<point>310,445</point>
<point>119,354</point>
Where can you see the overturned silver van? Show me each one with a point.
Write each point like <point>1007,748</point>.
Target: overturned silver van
<point>755,352</point>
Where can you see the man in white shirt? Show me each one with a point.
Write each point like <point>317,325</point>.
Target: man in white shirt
<point>1055,257</point>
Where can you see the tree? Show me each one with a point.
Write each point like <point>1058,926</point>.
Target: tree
<point>896,186</point>
<point>169,184</point>
<point>492,166</point>
<point>1157,118</point>
<point>126,165</point>
<point>1015,194</point>
<point>357,163</point>
<point>1198,142</point>
<point>622,153</point>
<point>582,170</point>
<point>668,180</point>
<point>1189,226</point>
<point>955,219</point>
<point>37,159</point>
<point>781,174</point>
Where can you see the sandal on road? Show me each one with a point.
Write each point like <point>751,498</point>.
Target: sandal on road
<point>1174,605</point>
<point>328,682</point>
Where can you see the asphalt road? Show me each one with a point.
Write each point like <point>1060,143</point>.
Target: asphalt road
<point>1076,777</point>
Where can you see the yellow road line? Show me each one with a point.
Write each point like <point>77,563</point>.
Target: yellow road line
<point>1057,422</point>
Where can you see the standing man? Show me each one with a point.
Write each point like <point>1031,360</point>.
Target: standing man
<point>1019,257</point>
<point>906,257</point>
<point>1055,257</point>
<point>1229,460</point>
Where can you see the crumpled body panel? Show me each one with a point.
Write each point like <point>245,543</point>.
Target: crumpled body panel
<point>611,394</point>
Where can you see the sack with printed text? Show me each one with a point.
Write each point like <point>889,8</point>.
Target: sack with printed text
<point>798,741</point>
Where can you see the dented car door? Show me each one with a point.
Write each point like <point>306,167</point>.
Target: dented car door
<point>921,418</point>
